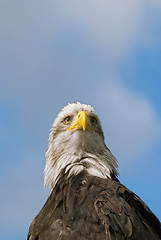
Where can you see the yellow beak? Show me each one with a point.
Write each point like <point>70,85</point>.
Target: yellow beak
<point>80,123</point>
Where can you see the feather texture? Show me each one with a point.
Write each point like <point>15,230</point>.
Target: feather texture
<point>89,207</point>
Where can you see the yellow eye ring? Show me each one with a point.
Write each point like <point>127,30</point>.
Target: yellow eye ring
<point>67,120</point>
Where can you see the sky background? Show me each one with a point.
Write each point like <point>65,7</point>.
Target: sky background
<point>104,53</point>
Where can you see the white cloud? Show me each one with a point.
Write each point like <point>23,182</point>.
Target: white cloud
<point>130,122</point>
<point>116,27</point>
<point>28,33</point>
<point>34,69</point>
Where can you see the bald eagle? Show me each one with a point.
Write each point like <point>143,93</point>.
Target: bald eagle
<point>86,199</point>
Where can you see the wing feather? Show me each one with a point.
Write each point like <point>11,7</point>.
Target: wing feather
<point>122,211</point>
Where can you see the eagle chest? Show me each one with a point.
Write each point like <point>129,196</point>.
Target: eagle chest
<point>75,203</point>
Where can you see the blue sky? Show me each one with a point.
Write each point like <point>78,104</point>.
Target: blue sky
<point>104,53</point>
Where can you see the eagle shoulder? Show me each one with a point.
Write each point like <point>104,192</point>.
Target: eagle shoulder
<point>125,215</point>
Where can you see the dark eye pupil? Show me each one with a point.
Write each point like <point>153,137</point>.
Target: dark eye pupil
<point>93,120</point>
<point>67,119</point>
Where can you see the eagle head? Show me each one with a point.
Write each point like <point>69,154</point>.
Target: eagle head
<point>76,143</point>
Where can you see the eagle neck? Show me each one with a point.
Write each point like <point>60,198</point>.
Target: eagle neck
<point>73,163</point>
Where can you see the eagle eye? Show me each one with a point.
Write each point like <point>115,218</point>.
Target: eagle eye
<point>93,120</point>
<point>67,120</point>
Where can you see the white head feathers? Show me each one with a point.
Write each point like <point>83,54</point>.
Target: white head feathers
<point>75,151</point>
